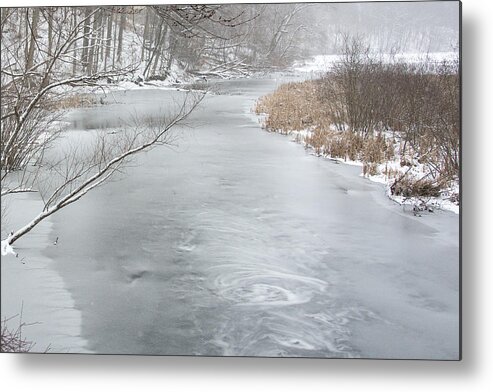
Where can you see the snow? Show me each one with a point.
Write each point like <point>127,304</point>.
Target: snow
<point>7,249</point>
<point>323,63</point>
<point>320,63</point>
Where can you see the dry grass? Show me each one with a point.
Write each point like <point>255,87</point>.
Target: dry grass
<point>410,187</point>
<point>350,146</point>
<point>72,102</point>
<point>292,107</point>
<point>297,106</point>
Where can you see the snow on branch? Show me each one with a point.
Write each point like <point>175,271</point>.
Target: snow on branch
<point>140,139</point>
<point>17,190</point>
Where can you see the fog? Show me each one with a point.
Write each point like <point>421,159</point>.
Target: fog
<point>389,26</point>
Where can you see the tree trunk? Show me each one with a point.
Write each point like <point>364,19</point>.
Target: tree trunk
<point>101,41</point>
<point>93,51</point>
<point>159,49</point>
<point>146,34</point>
<point>26,34</point>
<point>108,39</point>
<point>171,49</point>
<point>85,41</point>
<point>49,20</point>
<point>74,61</point>
<point>120,37</point>
<point>157,40</point>
<point>32,41</point>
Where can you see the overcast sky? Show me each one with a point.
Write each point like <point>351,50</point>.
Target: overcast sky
<point>416,26</point>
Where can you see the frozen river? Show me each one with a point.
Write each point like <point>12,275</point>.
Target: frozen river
<point>239,242</point>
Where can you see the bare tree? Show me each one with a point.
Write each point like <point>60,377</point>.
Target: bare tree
<point>35,83</point>
<point>77,172</point>
<point>26,95</point>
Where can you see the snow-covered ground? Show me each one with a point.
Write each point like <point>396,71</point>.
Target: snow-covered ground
<point>317,65</point>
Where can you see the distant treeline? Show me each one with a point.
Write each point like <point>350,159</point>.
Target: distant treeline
<point>214,37</point>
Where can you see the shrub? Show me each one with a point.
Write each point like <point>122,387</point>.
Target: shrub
<point>360,108</point>
<point>12,340</point>
<point>298,106</point>
<point>410,187</point>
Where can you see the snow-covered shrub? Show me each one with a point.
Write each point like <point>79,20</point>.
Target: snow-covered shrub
<point>408,186</point>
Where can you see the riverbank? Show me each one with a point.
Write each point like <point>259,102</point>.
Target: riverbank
<point>411,177</point>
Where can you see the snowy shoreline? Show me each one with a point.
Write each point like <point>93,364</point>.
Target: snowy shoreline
<point>432,202</point>
<point>441,203</point>
<point>35,293</point>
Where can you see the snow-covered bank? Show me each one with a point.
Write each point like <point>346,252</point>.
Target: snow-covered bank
<point>32,287</point>
<point>414,170</point>
<point>317,65</point>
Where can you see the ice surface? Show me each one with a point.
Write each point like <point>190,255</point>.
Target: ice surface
<point>239,242</point>
<point>33,292</point>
